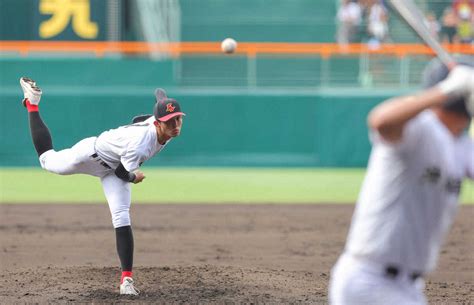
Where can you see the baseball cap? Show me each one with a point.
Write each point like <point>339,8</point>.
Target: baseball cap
<point>165,108</point>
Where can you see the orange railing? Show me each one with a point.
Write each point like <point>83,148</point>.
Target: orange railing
<point>250,49</point>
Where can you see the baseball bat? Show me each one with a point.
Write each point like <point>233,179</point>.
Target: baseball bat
<point>409,12</point>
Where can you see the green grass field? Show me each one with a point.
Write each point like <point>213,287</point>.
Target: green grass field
<point>196,185</point>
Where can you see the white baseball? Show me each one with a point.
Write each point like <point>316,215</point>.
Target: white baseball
<point>228,45</point>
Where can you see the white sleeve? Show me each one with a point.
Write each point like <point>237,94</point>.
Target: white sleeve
<point>412,135</point>
<point>134,155</point>
<point>131,160</point>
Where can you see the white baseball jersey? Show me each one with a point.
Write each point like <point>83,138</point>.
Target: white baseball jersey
<point>131,144</point>
<point>410,194</point>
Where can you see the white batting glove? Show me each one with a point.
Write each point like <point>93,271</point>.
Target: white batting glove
<point>459,83</point>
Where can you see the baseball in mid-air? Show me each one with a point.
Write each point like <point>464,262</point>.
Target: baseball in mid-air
<point>229,45</point>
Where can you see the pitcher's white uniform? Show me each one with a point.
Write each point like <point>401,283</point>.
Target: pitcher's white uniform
<point>99,156</point>
<point>407,203</point>
<point>114,157</point>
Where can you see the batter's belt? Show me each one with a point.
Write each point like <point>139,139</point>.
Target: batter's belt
<point>391,271</point>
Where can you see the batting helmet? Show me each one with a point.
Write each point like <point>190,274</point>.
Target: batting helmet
<point>436,71</point>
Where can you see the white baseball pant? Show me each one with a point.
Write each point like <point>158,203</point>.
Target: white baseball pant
<point>358,282</point>
<point>80,159</point>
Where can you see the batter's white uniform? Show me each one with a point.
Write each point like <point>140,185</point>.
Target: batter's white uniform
<point>406,205</point>
<point>99,156</point>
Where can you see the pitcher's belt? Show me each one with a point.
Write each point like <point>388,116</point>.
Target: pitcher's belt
<point>96,156</point>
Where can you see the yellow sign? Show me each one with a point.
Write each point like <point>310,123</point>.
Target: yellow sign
<point>62,12</point>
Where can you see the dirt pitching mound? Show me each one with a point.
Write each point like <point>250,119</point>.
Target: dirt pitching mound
<point>261,254</point>
<point>192,284</point>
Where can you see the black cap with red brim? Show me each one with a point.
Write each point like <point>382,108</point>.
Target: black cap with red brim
<point>165,108</point>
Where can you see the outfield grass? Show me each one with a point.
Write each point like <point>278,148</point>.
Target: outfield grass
<point>196,185</point>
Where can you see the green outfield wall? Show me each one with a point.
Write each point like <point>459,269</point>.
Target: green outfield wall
<point>202,20</point>
<point>232,126</point>
<point>188,20</point>
<point>259,20</point>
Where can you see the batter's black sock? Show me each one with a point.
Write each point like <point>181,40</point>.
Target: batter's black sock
<point>39,133</point>
<point>124,238</point>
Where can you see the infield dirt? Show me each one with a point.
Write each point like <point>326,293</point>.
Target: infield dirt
<point>190,254</point>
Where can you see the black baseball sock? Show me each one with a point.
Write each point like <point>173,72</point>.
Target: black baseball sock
<point>124,238</point>
<point>39,133</point>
